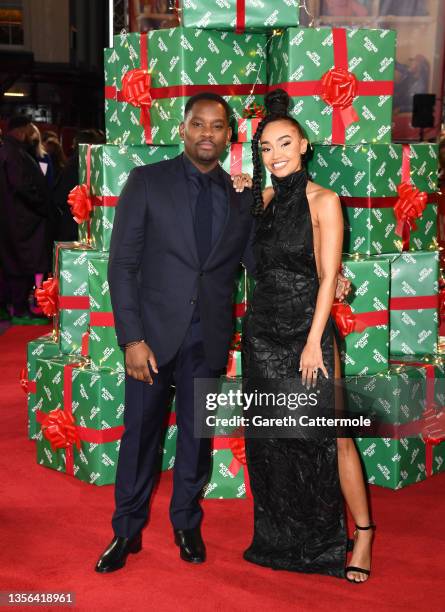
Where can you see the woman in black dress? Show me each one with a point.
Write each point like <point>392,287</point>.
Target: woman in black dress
<point>297,484</point>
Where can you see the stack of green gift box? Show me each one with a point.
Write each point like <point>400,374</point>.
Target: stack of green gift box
<point>76,375</point>
<point>389,200</point>
<point>340,82</point>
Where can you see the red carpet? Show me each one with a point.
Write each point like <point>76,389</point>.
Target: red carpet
<point>53,528</point>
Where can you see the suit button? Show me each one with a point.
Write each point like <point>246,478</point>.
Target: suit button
<point>201,274</point>
<point>192,301</point>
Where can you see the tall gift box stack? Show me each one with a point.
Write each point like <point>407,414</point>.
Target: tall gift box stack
<point>341,83</point>
<point>389,196</point>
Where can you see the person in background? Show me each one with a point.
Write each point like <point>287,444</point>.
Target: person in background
<point>38,152</point>
<point>23,220</point>
<point>47,134</point>
<point>57,156</point>
<point>64,226</point>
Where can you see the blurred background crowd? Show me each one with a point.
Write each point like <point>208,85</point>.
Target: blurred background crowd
<point>36,177</point>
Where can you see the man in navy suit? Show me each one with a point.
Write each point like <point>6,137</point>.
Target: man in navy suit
<point>179,235</point>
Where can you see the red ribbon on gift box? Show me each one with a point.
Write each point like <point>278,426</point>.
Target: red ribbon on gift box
<point>432,422</point>
<point>137,90</point>
<point>97,319</point>
<point>235,347</point>
<point>349,322</point>
<point>414,302</point>
<point>60,428</point>
<point>338,88</point>
<point>28,386</point>
<point>238,448</point>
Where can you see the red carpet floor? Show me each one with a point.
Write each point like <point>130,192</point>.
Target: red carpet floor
<point>53,528</point>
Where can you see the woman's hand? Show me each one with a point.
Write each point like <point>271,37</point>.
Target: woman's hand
<point>242,181</point>
<point>311,361</point>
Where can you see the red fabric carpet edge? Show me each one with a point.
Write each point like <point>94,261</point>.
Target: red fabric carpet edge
<point>53,528</point>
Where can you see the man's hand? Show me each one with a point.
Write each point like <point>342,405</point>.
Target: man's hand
<point>343,287</point>
<point>137,358</point>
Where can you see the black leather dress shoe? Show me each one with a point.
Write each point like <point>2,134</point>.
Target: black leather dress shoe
<point>192,548</point>
<point>116,553</point>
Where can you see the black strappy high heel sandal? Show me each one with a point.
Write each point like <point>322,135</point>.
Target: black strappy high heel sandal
<point>353,568</point>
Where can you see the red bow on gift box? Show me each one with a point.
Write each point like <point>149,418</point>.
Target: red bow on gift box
<point>47,297</point>
<point>348,322</point>
<point>238,448</point>
<point>339,89</point>
<point>79,200</point>
<point>257,111</point>
<point>345,319</point>
<point>409,206</point>
<point>59,427</point>
<point>24,382</point>
<point>136,88</point>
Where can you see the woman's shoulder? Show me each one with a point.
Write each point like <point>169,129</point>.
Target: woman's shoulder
<point>319,195</point>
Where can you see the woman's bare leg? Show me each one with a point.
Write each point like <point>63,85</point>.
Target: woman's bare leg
<point>354,491</point>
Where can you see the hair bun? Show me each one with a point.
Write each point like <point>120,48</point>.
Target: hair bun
<point>277,102</point>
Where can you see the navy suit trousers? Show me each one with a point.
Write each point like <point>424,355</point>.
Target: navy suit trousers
<point>144,417</point>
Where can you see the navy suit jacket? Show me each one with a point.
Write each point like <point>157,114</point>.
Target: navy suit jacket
<point>154,272</point>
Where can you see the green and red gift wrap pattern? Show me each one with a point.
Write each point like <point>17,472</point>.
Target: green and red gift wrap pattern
<point>383,190</point>
<point>228,478</point>
<point>156,73</point>
<point>103,349</point>
<point>395,397</point>
<point>393,463</point>
<point>340,81</point>
<point>71,272</point>
<point>239,15</point>
<point>81,412</point>
<point>167,447</point>
<point>40,348</point>
<point>363,319</point>
<point>414,303</point>
<point>105,169</point>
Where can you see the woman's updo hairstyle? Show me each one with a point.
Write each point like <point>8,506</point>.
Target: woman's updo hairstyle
<point>277,104</point>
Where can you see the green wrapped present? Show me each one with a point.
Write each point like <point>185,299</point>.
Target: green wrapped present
<point>239,15</point>
<point>71,272</point>
<point>104,170</point>
<point>109,77</point>
<point>167,447</point>
<point>103,349</point>
<point>40,348</point>
<point>229,477</point>
<point>81,418</point>
<point>435,457</point>
<point>340,81</point>
<point>244,286</point>
<point>383,190</point>
<point>393,463</point>
<point>395,397</point>
<point>156,73</point>
<point>433,418</point>
<point>238,159</point>
<point>414,303</point>
<point>362,320</point>
<point>247,128</point>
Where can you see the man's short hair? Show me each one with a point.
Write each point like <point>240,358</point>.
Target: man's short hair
<point>18,121</point>
<point>212,97</point>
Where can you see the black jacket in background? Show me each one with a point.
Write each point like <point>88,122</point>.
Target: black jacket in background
<point>25,242</point>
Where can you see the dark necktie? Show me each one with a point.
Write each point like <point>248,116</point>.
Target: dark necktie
<point>203,218</point>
